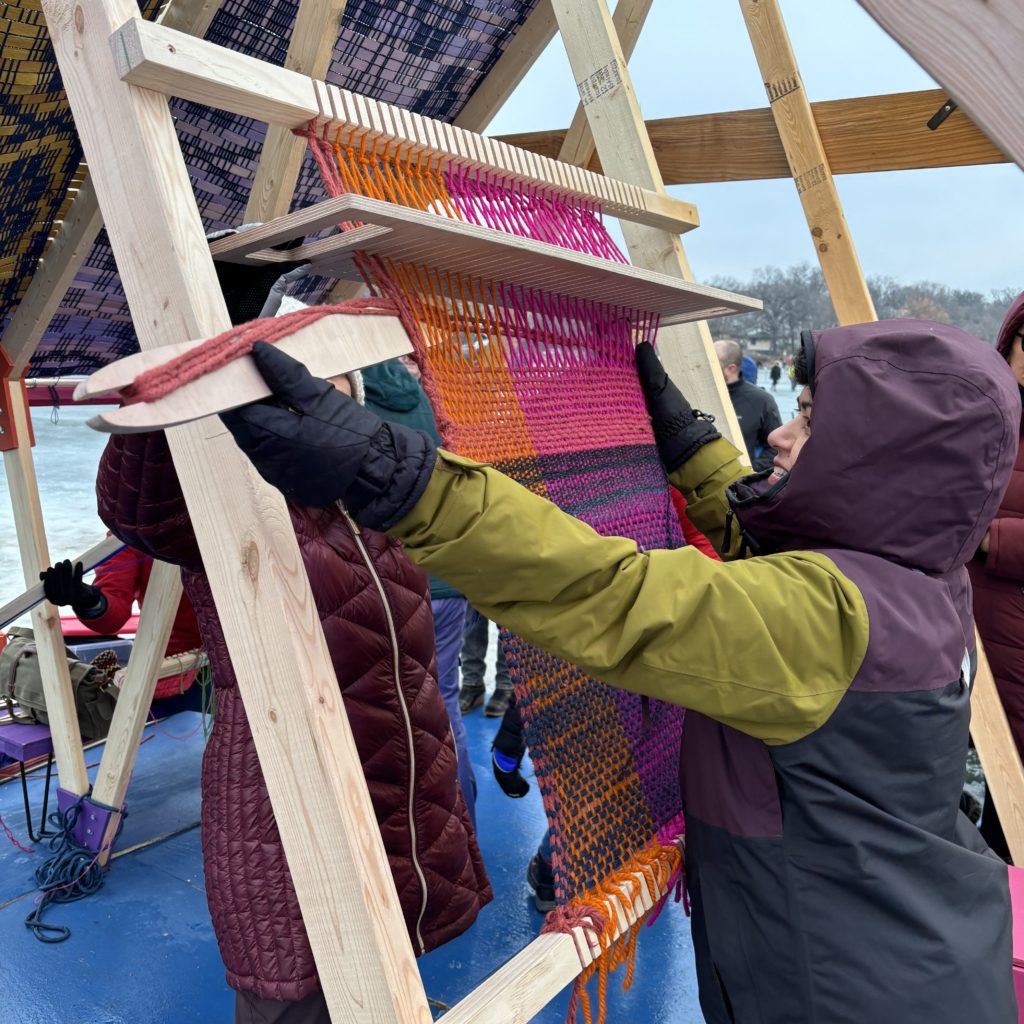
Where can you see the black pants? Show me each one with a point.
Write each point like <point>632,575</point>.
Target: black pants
<point>251,1009</point>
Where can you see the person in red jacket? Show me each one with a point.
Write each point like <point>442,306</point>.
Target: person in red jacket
<point>106,605</point>
<point>372,601</point>
<point>997,577</point>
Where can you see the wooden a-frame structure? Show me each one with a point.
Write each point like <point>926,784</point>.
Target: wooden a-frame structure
<point>305,747</point>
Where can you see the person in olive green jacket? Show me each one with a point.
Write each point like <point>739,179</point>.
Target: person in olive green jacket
<point>827,678</point>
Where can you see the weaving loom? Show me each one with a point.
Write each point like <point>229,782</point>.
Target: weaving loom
<point>544,387</point>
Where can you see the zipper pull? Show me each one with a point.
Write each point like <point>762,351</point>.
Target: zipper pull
<point>351,522</point>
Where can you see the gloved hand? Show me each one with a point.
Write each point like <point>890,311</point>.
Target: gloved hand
<point>679,430</point>
<point>318,446</point>
<point>62,584</point>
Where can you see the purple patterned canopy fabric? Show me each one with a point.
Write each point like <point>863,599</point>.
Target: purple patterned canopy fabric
<point>426,55</point>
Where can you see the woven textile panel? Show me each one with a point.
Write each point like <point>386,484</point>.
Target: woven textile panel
<point>426,55</point>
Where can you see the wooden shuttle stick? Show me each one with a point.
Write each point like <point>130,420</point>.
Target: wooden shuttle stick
<point>331,346</point>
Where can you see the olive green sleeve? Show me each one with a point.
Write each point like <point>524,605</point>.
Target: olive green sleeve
<point>768,645</point>
<point>703,480</point>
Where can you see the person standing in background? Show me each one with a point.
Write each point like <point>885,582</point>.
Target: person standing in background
<point>393,391</point>
<point>776,375</point>
<point>997,578</point>
<point>755,408</point>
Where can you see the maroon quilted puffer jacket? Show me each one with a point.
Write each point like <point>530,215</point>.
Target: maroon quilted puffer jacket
<point>397,716</point>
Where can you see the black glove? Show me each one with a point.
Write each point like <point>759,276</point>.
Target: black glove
<point>250,292</point>
<point>507,752</point>
<point>679,430</point>
<point>318,446</point>
<point>62,584</point>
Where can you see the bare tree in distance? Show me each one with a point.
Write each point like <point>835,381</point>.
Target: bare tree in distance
<point>796,299</point>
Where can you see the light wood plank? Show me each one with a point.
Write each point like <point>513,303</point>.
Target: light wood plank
<point>35,556</point>
<point>607,94</point>
<point>152,57</point>
<point>579,147</point>
<point>997,751</point>
<point>510,69</point>
<point>522,987</point>
<point>460,247</point>
<point>26,601</point>
<point>156,620</point>
<point>317,24</point>
<point>329,347</point>
<point>860,136</point>
<point>309,760</point>
<point>830,234</point>
<point>973,49</point>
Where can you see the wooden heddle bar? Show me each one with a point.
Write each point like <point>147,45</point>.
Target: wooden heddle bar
<point>154,57</point>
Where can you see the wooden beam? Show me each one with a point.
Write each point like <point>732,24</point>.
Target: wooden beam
<point>152,57</point>
<point>312,770</point>
<point>73,237</point>
<point>973,49</point>
<point>156,619</point>
<point>997,752</point>
<point>35,556</point>
<point>523,986</point>
<point>317,24</point>
<point>606,91</point>
<point>510,69</point>
<point>579,147</point>
<point>808,163</point>
<point>860,136</point>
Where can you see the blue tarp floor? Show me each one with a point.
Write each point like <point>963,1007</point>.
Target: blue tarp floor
<point>142,949</point>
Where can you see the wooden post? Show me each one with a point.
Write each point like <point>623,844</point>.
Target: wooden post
<point>308,757</point>
<point>997,752</point>
<point>35,556</point>
<point>579,147</point>
<point>317,24</point>
<point>622,142</point>
<point>973,48</point>
<point>807,162</point>
<point>156,620</point>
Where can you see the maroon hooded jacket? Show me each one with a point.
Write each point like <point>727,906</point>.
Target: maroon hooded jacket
<point>372,601</point>
<point>998,577</point>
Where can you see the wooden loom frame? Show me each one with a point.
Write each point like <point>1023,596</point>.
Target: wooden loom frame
<point>551,963</point>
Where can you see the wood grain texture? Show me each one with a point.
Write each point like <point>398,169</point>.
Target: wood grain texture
<point>578,146</point>
<point>523,986</point>
<point>613,112</point>
<point>431,240</point>
<point>997,751</point>
<point>35,556</point>
<point>316,29</point>
<point>861,135</point>
<point>310,764</point>
<point>328,347</point>
<point>152,57</point>
<point>808,164</point>
<point>971,47</point>
<point>156,619</point>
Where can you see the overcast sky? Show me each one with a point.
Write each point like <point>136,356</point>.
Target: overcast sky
<point>958,226</point>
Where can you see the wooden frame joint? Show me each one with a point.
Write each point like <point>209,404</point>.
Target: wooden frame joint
<point>8,424</point>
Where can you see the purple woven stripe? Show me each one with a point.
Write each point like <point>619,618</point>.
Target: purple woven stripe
<point>426,55</point>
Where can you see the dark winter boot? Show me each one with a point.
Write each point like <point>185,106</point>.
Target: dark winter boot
<point>470,697</point>
<point>541,879</point>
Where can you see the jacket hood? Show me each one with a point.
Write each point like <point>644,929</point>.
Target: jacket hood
<point>1012,323</point>
<point>914,432</point>
<point>391,386</point>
